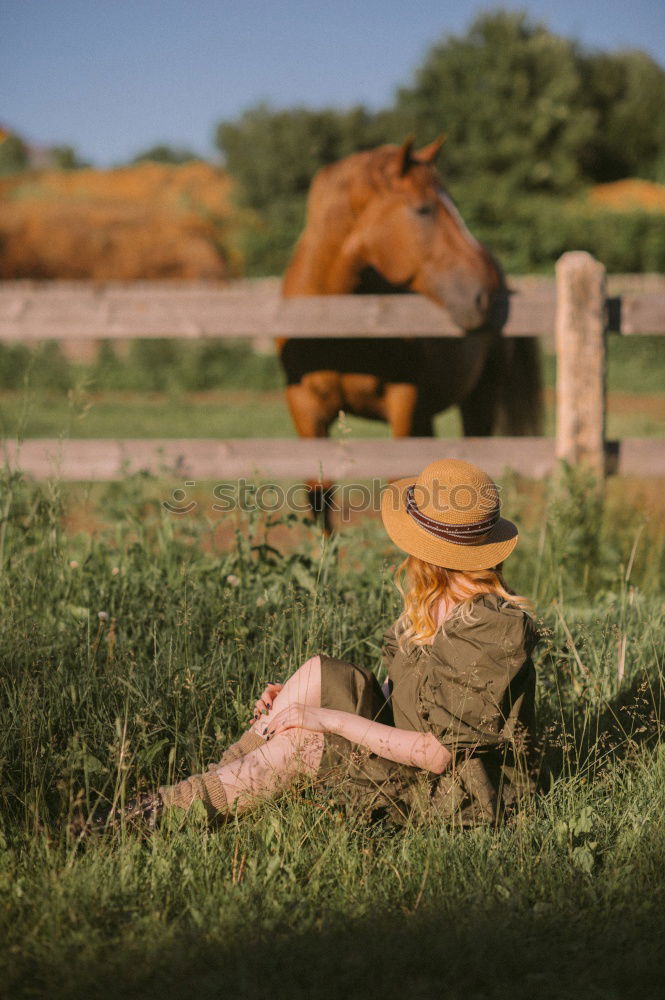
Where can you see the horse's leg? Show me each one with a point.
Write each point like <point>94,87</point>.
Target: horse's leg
<point>407,411</point>
<point>400,400</point>
<point>479,407</point>
<point>314,402</point>
<point>423,425</point>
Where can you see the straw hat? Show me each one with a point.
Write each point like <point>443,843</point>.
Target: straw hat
<point>449,515</point>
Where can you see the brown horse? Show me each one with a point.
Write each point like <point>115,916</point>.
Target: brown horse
<point>381,221</point>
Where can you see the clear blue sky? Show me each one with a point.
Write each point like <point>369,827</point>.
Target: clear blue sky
<point>111,77</point>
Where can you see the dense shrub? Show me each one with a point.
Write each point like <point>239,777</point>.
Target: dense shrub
<point>530,234</point>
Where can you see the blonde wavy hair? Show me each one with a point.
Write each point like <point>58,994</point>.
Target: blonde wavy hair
<point>425,587</point>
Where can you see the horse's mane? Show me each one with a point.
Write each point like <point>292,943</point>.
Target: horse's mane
<point>347,186</point>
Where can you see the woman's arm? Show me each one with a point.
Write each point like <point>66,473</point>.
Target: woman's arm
<point>403,746</point>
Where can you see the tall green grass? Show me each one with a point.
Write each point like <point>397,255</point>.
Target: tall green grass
<point>131,657</point>
<point>212,389</point>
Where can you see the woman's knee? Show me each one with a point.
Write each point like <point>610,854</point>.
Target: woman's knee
<point>309,681</point>
<point>303,686</point>
<point>312,667</point>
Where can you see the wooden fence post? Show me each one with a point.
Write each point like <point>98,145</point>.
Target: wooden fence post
<point>580,353</point>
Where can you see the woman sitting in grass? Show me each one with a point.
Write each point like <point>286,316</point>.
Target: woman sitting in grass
<point>453,734</point>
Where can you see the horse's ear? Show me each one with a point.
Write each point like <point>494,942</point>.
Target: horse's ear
<point>406,155</point>
<point>428,154</point>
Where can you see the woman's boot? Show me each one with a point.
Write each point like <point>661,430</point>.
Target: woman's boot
<point>206,788</point>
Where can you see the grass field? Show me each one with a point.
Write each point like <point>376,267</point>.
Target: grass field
<point>133,643</point>
<point>171,389</point>
<point>294,899</point>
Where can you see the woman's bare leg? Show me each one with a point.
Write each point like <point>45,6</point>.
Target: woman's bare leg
<point>253,768</point>
<point>257,775</point>
<point>272,768</point>
<point>302,688</point>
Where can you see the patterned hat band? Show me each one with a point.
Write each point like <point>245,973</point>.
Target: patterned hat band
<point>460,534</point>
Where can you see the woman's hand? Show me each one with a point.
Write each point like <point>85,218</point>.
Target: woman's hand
<point>264,705</point>
<point>295,716</point>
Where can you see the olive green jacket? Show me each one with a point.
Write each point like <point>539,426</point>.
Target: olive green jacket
<point>474,689</point>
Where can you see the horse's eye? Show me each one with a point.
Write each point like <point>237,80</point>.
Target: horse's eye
<point>425,209</point>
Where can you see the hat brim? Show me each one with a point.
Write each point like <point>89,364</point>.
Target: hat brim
<point>409,536</point>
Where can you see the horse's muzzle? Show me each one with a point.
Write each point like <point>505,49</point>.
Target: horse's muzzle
<point>478,308</point>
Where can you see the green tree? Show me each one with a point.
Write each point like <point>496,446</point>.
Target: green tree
<point>508,94</point>
<point>626,92</point>
<point>275,154</point>
<point>162,153</point>
<point>531,118</point>
<point>13,153</point>
<point>66,158</point>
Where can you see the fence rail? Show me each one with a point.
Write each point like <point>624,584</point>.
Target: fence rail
<point>279,458</point>
<point>64,311</point>
<point>574,307</point>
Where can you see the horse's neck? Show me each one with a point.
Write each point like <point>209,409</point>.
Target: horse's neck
<point>334,203</point>
<point>310,266</point>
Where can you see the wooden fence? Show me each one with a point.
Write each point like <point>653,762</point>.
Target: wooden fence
<point>574,307</point>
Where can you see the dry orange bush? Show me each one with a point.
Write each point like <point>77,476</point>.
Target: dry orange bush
<point>147,221</point>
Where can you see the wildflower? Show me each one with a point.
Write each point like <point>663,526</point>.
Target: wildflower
<point>115,571</point>
<point>103,616</point>
<point>260,602</point>
<point>73,564</point>
<point>233,580</point>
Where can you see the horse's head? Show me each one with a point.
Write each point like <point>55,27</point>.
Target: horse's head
<point>410,232</point>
